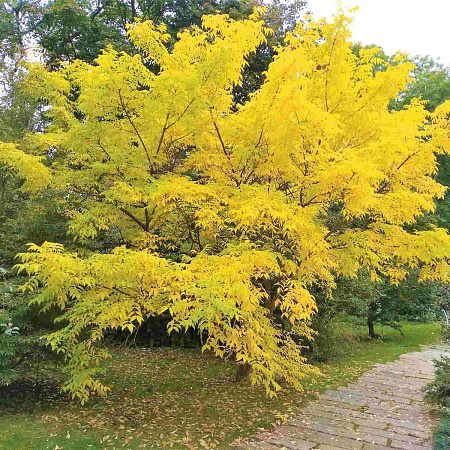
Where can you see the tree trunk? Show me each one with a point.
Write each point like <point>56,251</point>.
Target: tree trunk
<point>370,312</point>
<point>243,371</point>
<point>133,9</point>
<point>371,327</point>
<point>271,296</point>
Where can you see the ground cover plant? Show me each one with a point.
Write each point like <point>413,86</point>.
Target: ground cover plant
<point>173,398</point>
<point>438,392</point>
<point>442,433</point>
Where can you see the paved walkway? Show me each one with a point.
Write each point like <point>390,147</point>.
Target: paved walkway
<point>382,410</point>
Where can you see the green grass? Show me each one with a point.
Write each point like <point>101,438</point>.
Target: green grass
<point>170,398</point>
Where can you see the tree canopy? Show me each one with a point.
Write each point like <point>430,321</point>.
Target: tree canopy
<point>228,215</point>
<point>431,83</point>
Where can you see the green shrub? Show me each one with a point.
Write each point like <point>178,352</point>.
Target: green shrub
<point>438,391</point>
<point>336,331</point>
<point>442,434</point>
<point>334,338</point>
<point>9,343</point>
<point>20,343</point>
<point>445,333</point>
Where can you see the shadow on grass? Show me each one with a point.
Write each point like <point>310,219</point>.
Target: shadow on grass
<point>26,395</point>
<point>172,398</point>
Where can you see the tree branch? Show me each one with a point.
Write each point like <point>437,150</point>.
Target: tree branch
<point>134,218</point>
<point>327,72</point>
<point>165,128</point>
<point>127,115</point>
<point>147,219</point>
<point>96,12</point>
<point>104,150</point>
<point>182,114</point>
<point>221,140</point>
<point>18,363</point>
<point>407,159</point>
<point>224,149</point>
<point>116,290</point>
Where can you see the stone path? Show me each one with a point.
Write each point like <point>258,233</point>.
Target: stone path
<point>382,410</point>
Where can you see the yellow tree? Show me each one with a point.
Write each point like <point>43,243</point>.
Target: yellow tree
<point>313,178</point>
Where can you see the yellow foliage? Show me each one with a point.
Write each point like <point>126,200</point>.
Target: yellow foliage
<point>30,167</point>
<point>314,177</point>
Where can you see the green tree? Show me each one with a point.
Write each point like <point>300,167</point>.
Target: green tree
<point>431,83</point>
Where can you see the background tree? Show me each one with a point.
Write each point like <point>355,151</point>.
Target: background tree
<point>431,83</point>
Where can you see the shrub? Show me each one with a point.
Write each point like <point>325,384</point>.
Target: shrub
<point>20,342</point>
<point>9,345</point>
<point>334,338</point>
<point>442,434</point>
<point>445,333</point>
<point>438,391</point>
<point>336,330</point>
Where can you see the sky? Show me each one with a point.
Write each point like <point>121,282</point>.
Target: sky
<point>417,27</point>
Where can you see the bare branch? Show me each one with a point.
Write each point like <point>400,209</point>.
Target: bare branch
<point>104,150</point>
<point>327,72</point>
<point>147,219</point>
<point>96,12</point>
<point>163,132</point>
<point>260,137</point>
<point>220,139</point>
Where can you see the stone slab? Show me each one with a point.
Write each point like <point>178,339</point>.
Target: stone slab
<point>406,446</point>
<point>289,442</point>
<point>324,416</point>
<point>386,388</point>
<point>367,428</point>
<point>328,447</point>
<point>375,393</point>
<point>375,447</point>
<point>337,431</point>
<point>324,438</point>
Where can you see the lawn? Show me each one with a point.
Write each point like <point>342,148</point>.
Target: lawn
<point>173,398</point>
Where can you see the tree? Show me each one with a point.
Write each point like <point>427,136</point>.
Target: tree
<point>384,303</point>
<point>431,83</point>
<point>430,79</point>
<point>281,18</point>
<point>313,178</point>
